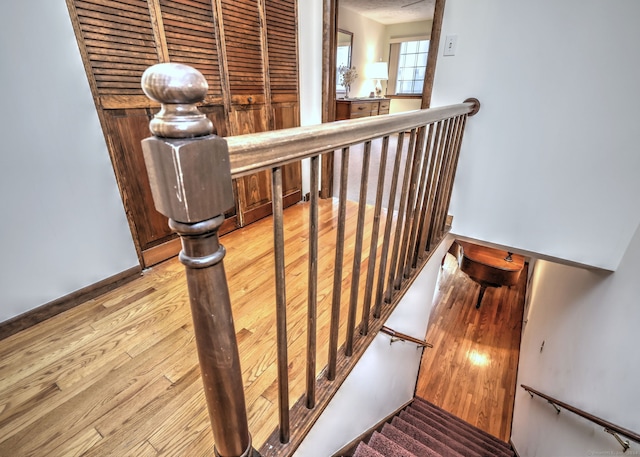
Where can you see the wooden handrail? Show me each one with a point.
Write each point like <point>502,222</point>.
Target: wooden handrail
<point>403,336</point>
<point>190,173</point>
<point>608,426</point>
<point>262,151</point>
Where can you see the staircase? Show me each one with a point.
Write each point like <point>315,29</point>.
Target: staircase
<point>425,430</point>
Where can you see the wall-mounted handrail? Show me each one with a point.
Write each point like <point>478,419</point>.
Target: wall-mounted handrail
<point>403,336</point>
<point>609,427</point>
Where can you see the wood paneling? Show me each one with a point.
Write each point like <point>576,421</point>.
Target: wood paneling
<point>282,33</point>
<point>119,44</point>
<point>247,51</point>
<point>190,36</point>
<point>254,197</point>
<point>288,115</point>
<point>242,35</point>
<point>126,128</point>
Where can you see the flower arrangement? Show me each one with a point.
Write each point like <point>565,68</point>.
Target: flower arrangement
<point>348,75</point>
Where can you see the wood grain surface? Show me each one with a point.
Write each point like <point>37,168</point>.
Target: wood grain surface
<point>247,52</point>
<point>118,375</point>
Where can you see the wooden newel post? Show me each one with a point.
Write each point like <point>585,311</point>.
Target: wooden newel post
<point>190,178</point>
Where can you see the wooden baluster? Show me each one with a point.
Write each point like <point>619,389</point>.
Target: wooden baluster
<point>428,201</point>
<point>357,254</point>
<point>403,264</point>
<point>373,249</point>
<point>419,208</point>
<point>386,241</point>
<point>452,175</point>
<point>190,181</point>
<point>436,232</point>
<point>400,222</point>
<point>337,270</point>
<point>313,284</point>
<point>437,184</point>
<point>281,304</point>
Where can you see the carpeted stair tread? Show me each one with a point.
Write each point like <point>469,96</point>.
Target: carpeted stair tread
<point>449,427</point>
<point>423,429</point>
<point>432,442</point>
<point>460,426</point>
<point>463,446</point>
<point>387,447</point>
<point>481,447</point>
<point>364,450</point>
<point>444,413</point>
<point>410,444</point>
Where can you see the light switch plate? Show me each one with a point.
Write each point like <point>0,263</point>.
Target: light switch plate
<point>450,44</point>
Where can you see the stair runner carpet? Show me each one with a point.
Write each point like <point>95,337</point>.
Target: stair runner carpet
<point>425,430</point>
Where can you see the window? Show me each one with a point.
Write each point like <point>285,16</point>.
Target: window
<point>408,63</point>
<point>411,66</point>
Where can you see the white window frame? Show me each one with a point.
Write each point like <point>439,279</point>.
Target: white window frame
<point>394,61</point>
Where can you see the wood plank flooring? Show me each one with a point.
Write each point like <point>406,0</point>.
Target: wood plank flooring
<point>118,375</point>
<point>471,371</point>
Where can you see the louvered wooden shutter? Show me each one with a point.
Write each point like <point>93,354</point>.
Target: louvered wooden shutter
<point>242,36</point>
<point>282,48</point>
<point>190,36</point>
<point>120,45</point>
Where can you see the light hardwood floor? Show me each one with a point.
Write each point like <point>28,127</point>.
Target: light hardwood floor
<point>118,375</point>
<point>471,371</point>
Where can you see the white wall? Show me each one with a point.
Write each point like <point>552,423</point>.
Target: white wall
<point>63,224</point>
<point>550,164</point>
<point>369,45</point>
<point>310,65</point>
<point>589,322</point>
<point>400,105</point>
<point>310,70</point>
<point>385,377</point>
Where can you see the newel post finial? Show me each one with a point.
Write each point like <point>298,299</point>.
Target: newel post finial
<point>188,167</point>
<point>178,88</point>
<point>190,176</point>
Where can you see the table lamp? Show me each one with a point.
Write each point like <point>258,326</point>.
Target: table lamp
<point>378,71</point>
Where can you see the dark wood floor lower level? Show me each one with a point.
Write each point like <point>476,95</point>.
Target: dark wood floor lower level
<point>471,370</point>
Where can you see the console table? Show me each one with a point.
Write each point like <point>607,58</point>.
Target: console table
<point>354,108</point>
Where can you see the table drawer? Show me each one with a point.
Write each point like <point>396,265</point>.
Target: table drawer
<point>364,107</point>
<point>358,108</point>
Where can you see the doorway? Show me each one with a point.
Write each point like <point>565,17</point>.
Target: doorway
<point>331,9</point>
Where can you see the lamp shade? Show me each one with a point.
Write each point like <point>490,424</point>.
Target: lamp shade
<point>377,70</point>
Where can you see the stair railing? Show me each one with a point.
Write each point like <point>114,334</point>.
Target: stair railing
<point>190,171</point>
<point>399,336</point>
<point>612,429</point>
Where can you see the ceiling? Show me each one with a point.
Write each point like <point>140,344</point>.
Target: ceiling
<point>392,11</point>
